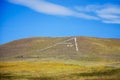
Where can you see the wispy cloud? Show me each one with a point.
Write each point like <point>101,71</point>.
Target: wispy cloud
<point>106,13</point>
<point>45,7</point>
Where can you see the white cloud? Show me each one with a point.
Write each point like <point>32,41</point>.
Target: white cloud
<point>110,14</point>
<point>86,16</point>
<point>112,21</point>
<point>42,6</point>
<point>106,13</point>
<point>110,9</point>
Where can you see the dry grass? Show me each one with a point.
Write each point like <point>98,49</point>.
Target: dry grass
<point>97,59</point>
<point>55,71</point>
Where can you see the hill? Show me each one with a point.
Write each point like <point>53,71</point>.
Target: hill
<point>61,48</point>
<point>65,58</point>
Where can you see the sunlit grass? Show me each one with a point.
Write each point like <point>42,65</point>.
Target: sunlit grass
<point>55,71</point>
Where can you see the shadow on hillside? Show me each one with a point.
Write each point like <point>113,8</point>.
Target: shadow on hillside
<point>100,73</point>
<point>8,76</point>
<point>42,78</point>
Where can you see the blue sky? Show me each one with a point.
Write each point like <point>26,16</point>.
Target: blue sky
<point>56,18</point>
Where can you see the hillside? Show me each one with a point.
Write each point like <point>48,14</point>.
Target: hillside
<point>45,48</point>
<point>65,58</point>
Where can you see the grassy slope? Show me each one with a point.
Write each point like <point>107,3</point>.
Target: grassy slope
<point>56,71</point>
<point>90,49</point>
<point>97,59</point>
